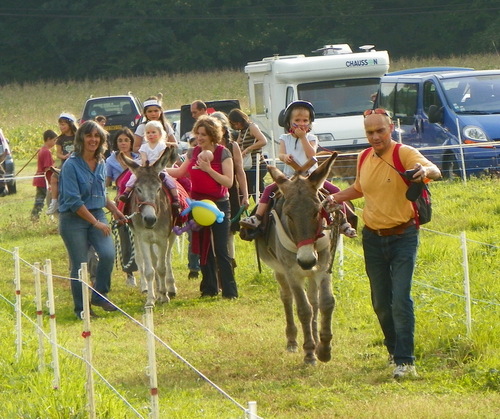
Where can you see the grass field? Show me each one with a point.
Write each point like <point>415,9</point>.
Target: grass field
<point>240,345</point>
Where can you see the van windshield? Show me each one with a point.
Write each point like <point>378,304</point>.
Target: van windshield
<point>474,94</point>
<point>339,97</point>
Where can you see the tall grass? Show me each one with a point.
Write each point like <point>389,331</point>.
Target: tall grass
<point>30,108</point>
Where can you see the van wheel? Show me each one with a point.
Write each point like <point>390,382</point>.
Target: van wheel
<point>450,166</point>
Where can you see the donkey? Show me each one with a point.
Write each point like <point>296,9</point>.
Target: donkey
<point>296,248</point>
<point>152,223</point>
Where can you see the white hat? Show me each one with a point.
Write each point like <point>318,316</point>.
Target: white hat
<point>151,102</point>
<point>69,116</point>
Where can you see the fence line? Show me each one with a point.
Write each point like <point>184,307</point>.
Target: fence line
<point>87,358</point>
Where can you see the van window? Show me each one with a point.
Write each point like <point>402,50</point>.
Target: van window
<point>400,99</point>
<point>387,97</point>
<point>339,97</point>
<point>431,96</point>
<point>406,102</point>
<point>289,95</point>
<point>258,89</point>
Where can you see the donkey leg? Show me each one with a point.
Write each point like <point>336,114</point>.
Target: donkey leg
<point>170,280</point>
<point>148,272</point>
<point>161,272</point>
<point>305,314</point>
<point>326,306</point>
<point>312,295</point>
<point>287,300</point>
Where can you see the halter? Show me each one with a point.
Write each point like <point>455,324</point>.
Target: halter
<point>319,240</point>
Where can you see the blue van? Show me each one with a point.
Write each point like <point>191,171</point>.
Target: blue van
<point>437,109</point>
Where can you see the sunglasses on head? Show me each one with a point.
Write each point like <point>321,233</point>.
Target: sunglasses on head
<point>376,111</point>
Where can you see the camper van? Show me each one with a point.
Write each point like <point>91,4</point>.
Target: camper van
<point>451,114</point>
<point>339,83</point>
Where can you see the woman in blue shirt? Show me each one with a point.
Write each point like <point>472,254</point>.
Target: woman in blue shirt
<point>82,222</point>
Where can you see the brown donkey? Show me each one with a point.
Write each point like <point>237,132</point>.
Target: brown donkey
<point>298,249</point>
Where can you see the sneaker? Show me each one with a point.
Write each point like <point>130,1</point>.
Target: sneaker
<point>131,282</point>
<point>193,275</point>
<point>347,230</point>
<point>404,371</point>
<point>80,315</point>
<point>53,207</point>
<point>123,198</point>
<point>250,222</point>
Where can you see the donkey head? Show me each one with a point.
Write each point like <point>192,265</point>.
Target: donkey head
<point>301,211</point>
<point>148,186</point>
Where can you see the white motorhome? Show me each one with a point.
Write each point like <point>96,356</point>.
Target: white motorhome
<point>340,84</point>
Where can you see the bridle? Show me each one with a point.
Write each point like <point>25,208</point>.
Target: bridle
<point>319,240</point>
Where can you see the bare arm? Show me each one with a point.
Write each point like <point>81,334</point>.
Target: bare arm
<point>240,174</point>
<point>260,140</point>
<point>347,194</point>
<point>137,143</point>
<point>180,171</point>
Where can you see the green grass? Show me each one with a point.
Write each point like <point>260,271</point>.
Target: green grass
<point>240,345</point>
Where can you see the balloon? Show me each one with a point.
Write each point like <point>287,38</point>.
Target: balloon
<point>205,212</point>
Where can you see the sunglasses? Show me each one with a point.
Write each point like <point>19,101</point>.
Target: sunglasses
<point>376,111</point>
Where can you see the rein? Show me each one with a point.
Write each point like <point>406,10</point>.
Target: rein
<point>321,241</point>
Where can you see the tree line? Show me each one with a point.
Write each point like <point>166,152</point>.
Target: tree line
<point>87,39</point>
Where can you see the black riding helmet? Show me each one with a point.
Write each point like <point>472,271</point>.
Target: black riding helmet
<point>284,116</point>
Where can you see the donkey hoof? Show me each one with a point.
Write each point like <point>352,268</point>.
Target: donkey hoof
<point>324,353</point>
<point>310,359</point>
<point>171,294</point>
<point>293,348</point>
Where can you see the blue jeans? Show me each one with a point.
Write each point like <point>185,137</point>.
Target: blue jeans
<point>78,235</point>
<point>389,264</point>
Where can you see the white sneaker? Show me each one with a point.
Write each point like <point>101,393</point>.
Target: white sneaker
<point>348,231</point>
<point>250,222</point>
<point>404,371</point>
<point>53,207</point>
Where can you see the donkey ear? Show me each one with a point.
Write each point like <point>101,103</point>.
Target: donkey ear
<point>318,177</point>
<point>278,176</point>
<point>168,157</point>
<point>127,161</point>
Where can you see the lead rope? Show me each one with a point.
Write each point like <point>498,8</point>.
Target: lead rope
<point>114,228</point>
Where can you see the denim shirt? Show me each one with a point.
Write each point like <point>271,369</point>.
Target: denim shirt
<point>114,168</point>
<point>78,185</point>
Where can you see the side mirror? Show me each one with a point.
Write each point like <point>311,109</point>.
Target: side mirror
<point>435,114</point>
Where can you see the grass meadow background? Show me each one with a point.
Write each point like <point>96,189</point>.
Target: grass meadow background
<point>240,345</point>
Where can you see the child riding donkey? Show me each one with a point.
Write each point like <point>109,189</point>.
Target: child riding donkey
<point>297,150</point>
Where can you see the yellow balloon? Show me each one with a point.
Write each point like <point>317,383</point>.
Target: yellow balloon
<point>204,216</point>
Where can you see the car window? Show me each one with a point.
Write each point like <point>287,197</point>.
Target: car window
<point>108,107</point>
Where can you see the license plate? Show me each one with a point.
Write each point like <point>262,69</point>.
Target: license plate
<point>113,127</point>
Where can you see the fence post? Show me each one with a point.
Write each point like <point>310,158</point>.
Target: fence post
<point>462,159</point>
<point>87,352</point>
<point>18,308</point>
<point>53,326</point>
<point>39,316</point>
<point>151,369</point>
<point>340,248</point>
<point>465,264</point>
<point>252,410</point>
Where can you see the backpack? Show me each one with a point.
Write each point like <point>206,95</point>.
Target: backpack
<point>423,204</point>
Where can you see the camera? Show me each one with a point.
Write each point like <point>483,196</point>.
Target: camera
<point>410,173</point>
